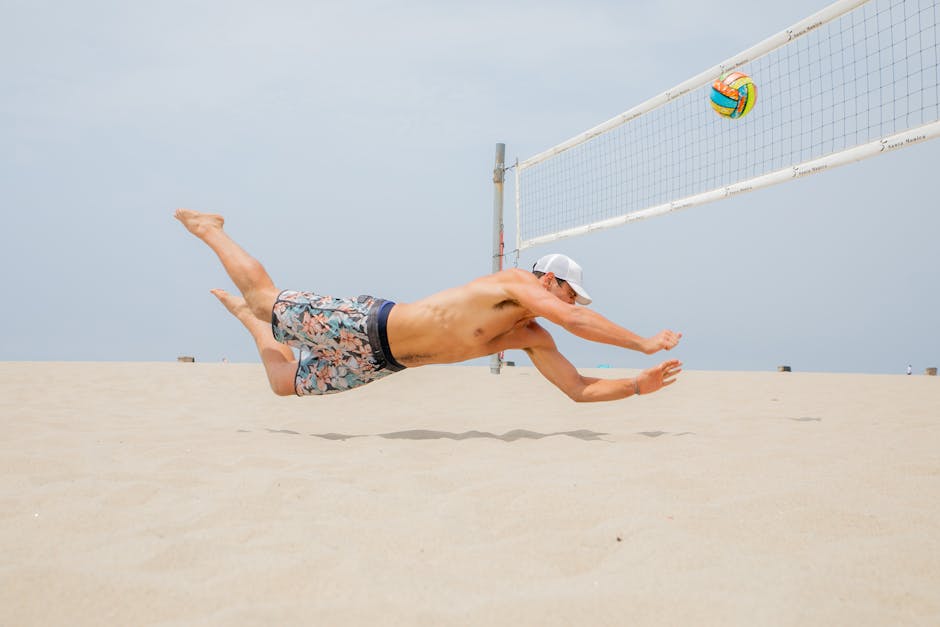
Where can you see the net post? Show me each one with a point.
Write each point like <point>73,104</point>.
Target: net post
<point>499,175</point>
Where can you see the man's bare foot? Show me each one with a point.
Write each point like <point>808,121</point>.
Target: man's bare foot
<point>199,224</point>
<point>236,306</point>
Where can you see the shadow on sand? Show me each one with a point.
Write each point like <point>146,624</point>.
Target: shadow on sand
<point>426,434</point>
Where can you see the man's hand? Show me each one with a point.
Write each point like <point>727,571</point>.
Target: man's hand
<point>662,341</point>
<point>659,376</point>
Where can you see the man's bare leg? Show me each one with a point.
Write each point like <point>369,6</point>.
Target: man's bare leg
<point>245,271</point>
<point>279,362</point>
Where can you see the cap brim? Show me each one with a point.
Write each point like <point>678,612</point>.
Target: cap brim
<point>582,298</point>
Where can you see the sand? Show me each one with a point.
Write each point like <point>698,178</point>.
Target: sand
<point>188,494</point>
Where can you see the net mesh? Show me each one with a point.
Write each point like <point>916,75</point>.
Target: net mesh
<point>866,75</point>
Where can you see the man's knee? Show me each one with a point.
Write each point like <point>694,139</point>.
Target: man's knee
<point>281,377</point>
<point>282,386</point>
<point>282,390</point>
<point>261,303</point>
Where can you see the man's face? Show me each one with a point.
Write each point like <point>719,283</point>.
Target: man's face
<point>562,290</point>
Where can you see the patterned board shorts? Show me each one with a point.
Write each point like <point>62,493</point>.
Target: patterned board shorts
<point>342,341</point>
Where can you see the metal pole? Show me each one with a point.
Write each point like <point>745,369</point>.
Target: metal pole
<point>499,174</point>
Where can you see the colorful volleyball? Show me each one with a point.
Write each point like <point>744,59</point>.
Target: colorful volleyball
<point>733,95</point>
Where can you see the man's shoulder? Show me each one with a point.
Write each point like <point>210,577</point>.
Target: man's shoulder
<point>512,283</point>
<point>511,275</point>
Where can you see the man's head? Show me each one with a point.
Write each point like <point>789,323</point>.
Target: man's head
<point>562,277</point>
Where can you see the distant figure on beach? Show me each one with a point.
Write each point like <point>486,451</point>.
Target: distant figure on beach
<point>909,369</point>
<point>344,343</point>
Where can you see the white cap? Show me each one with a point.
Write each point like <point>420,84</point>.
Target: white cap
<point>567,270</point>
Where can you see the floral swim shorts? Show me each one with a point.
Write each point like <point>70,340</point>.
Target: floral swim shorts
<point>342,341</point>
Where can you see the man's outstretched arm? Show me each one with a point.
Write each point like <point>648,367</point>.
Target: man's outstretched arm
<point>557,369</point>
<point>586,323</point>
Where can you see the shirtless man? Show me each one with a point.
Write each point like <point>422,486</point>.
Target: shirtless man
<point>345,343</point>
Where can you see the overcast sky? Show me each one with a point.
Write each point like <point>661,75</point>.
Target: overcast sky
<point>350,147</point>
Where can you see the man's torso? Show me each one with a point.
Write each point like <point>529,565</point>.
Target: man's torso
<point>474,320</point>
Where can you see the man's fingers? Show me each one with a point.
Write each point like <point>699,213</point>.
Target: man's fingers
<point>670,370</point>
<point>670,339</point>
<point>670,379</point>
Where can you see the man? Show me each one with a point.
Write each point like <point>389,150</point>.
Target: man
<point>345,343</point>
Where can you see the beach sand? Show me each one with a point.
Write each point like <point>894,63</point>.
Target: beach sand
<point>188,494</point>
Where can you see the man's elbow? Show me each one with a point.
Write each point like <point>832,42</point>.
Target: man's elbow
<point>575,390</point>
<point>577,393</point>
<point>576,321</point>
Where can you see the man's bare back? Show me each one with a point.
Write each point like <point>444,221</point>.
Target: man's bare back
<point>488,315</point>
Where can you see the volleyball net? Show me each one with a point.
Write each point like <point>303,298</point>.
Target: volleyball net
<point>857,79</point>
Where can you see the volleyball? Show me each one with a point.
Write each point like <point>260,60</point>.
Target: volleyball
<point>733,95</point>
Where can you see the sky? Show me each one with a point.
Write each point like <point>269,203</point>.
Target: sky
<point>350,147</point>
